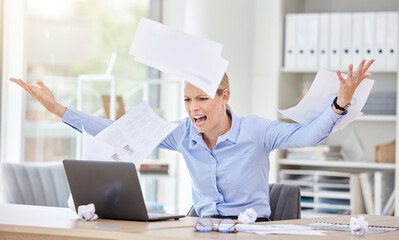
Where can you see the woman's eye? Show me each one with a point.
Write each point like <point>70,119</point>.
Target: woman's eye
<point>203,99</point>
<point>186,99</point>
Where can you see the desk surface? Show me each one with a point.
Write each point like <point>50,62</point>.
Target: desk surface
<point>36,222</point>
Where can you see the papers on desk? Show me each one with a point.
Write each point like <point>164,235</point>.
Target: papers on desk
<point>321,95</point>
<point>194,59</point>
<point>131,138</point>
<point>278,229</point>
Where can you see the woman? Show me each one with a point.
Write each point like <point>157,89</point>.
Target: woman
<point>227,155</point>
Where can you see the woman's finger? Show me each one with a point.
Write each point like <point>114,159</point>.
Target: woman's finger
<point>17,81</point>
<point>367,74</point>
<point>350,70</point>
<point>42,85</point>
<point>368,65</point>
<point>340,76</point>
<point>359,69</point>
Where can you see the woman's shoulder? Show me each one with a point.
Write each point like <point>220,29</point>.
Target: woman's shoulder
<point>253,120</point>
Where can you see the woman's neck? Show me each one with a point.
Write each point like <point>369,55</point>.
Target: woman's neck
<point>211,138</point>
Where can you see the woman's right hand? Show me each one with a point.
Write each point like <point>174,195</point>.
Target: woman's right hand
<point>43,95</point>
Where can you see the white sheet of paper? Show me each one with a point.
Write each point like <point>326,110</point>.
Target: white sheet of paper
<point>94,149</point>
<point>194,59</point>
<point>320,96</point>
<point>136,134</point>
<point>278,229</point>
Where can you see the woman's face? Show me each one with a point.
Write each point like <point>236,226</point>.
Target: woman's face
<point>207,114</point>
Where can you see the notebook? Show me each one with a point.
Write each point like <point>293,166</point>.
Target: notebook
<point>346,227</point>
<point>113,187</point>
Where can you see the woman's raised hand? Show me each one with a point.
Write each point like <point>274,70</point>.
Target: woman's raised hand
<point>43,95</point>
<point>348,86</point>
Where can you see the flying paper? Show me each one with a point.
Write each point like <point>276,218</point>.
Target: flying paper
<point>191,58</point>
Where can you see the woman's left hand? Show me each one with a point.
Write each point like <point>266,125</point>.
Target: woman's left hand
<point>348,86</point>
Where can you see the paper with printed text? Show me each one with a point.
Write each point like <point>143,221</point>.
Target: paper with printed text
<point>131,138</point>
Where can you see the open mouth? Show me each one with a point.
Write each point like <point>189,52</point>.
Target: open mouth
<point>200,120</point>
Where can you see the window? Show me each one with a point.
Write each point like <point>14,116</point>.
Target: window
<point>67,41</point>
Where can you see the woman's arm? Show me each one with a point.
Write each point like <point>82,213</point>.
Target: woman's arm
<point>289,135</point>
<point>73,118</point>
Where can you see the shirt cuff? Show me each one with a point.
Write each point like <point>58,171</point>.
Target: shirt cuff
<point>73,118</point>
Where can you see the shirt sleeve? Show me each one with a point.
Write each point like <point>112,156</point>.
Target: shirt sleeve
<point>292,135</point>
<point>79,120</point>
<point>173,140</point>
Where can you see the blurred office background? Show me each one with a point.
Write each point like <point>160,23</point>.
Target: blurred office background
<point>79,48</point>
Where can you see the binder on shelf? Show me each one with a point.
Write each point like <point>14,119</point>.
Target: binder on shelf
<point>301,41</point>
<point>289,48</point>
<point>367,186</point>
<point>380,40</point>
<point>324,40</point>
<point>357,38</point>
<point>335,39</point>
<point>312,39</point>
<point>369,36</point>
<point>346,40</point>
<point>357,202</point>
<point>389,204</point>
<point>383,187</point>
<point>392,40</point>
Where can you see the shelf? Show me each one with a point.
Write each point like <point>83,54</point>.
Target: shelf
<point>336,195</point>
<point>325,206</point>
<point>300,183</point>
<point>307,205</point>
<point>339,164</point>
<point>312,70</point>
<point>331,206</point>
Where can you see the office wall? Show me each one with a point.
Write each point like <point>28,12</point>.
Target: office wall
<point>245,29</point>
<point>229,22</point>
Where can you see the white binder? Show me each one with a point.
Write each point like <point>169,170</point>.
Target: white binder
<point>324,40</point>
<point>380,40</point>
<point>357,38</point>
<point>369,36</point>
<point>335,39</point>
<point>346,40</point>
<point>289,41</point>
<point>312,39</point>
<point>301,41</point>
<point>392,41</point>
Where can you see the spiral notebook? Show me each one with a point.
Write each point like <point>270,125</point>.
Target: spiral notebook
<point>345,227</point>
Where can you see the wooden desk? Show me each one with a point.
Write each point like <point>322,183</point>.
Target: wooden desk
<point>35,222</point>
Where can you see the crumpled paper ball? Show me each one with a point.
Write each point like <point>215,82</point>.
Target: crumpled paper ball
<point>358,226</point>
<point>248,217</point>
<point>87,212</point>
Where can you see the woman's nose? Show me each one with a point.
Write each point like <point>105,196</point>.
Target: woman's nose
<point>194,105</point>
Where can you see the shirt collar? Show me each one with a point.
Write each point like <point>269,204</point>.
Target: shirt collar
<point>231,135</point>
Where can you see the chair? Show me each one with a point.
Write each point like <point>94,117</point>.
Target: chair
<point>43,184</point>
<point>285,202</point>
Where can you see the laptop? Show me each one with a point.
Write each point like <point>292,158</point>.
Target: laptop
<point>113,187</point>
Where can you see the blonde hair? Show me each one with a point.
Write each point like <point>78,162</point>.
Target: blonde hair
<point>224,84</point>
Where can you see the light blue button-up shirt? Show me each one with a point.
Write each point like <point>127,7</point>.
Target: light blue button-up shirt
<point>233,176</point>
